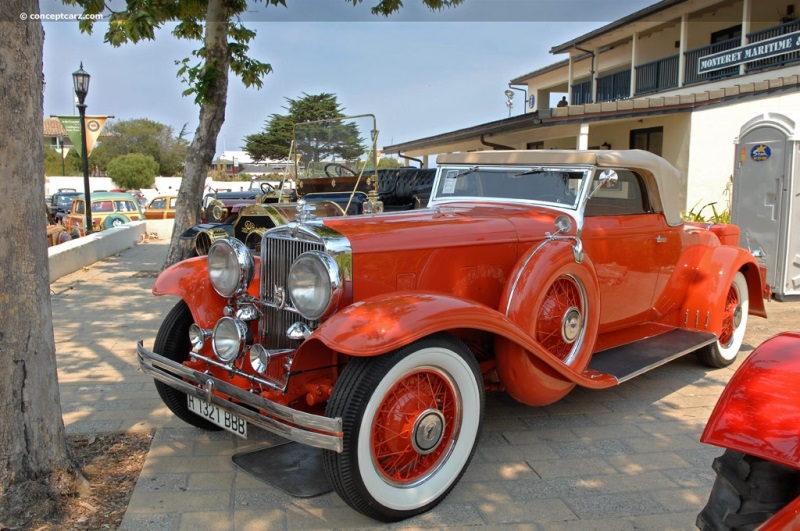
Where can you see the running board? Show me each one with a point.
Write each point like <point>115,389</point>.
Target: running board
<point>632,359</point>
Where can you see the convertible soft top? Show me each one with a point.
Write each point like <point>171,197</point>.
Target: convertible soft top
<point>662,178</point>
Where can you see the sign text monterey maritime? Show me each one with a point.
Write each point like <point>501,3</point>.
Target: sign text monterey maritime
<point>753,52</point>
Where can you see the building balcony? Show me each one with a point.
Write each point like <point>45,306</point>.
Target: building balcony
<point>664,74</point>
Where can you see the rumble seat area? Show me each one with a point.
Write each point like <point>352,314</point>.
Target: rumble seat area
<point>405,188</point>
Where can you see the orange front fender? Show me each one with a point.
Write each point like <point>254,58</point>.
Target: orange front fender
<point>189,281</point>
<point>385,323</point>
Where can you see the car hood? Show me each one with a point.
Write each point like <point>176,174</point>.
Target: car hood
<point>451,225</point>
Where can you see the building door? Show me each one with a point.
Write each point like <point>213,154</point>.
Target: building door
<point>760,202</point>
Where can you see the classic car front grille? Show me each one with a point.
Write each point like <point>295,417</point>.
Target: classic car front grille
<point>278,253</point>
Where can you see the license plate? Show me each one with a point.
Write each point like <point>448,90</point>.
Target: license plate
<point>224,419</point>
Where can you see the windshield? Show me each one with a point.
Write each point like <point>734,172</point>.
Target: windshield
<point>556,185</point>
<point>64,200</point>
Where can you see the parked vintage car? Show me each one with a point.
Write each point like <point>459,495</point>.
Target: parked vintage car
<point>757,421</point>
<point>60,204</point>
<point>400,189</point>
<point>109,209</point>
<point>374,337</point>
<point>161,207</point>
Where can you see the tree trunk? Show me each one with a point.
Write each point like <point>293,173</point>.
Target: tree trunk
<point>204,144</point>
<point>33,448</point>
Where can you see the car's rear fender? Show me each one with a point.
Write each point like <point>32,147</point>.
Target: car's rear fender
<point>758,410</point>
<point>704,306</point>
<point>384,323</point>
<point>189,281</point>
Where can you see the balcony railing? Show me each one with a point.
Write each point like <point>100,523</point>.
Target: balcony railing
<point>657,75</point>
<point>780,60</point>
<point>662,74</point>
<point>614,87</point>
<point>692,57</point>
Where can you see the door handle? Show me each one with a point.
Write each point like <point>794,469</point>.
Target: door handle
<point>661,239</point>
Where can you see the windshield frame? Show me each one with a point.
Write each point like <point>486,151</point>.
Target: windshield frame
<point>460,171</point>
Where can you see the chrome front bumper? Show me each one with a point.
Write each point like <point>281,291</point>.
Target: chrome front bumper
<point>305,428</point>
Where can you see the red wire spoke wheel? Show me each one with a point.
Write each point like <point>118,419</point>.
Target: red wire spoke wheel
<point>561,322</point>
<point>414,426</point>
<point>410,422</point>
<point>736,306</point>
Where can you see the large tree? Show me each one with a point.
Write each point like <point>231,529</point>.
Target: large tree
<point>146,137</point>
<point>33,451</point>
<point>316,143</point>
<point>224,48</point>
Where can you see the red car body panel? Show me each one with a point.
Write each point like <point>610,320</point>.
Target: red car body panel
<point>189,281</point>
<point>787,519</point>
<point>757,413</point>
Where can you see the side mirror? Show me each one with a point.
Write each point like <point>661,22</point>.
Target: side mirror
<point>563,224</point>
<point>607,178</point>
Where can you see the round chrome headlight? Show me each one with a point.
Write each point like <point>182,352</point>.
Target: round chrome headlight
<point>229,338</point>
<point>315,285</point>
<point>230,267</point>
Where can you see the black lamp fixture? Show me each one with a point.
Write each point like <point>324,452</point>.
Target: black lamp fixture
<point>80,80</point>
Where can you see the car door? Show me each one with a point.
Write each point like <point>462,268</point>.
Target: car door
<point>620,236</point>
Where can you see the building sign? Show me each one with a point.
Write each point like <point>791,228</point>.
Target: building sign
<point>760,153</point>
<point>752,52</point>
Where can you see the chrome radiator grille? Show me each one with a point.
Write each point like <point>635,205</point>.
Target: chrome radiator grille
<point>278,253</point>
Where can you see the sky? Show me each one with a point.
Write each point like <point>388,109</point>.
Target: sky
<point>421,73</point>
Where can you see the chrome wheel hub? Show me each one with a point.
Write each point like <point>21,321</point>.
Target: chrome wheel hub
<point>737,317</point>
<point>571,325</point>
<point>427,431</point>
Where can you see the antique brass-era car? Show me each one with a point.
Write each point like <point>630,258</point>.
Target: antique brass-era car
<point>374,337</point>
<point>331,187</point>
<point>757,421</point>
<point>109,209</point>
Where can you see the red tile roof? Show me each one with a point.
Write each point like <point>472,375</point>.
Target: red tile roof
<point>53,127</point>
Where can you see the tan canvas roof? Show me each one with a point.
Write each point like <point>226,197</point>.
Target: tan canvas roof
<point>662,178</point>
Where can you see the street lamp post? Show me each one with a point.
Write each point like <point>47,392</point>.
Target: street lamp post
<point>80,79</point>
<point>61,152</point>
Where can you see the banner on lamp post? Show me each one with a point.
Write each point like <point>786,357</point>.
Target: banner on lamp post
<point>94,126</point>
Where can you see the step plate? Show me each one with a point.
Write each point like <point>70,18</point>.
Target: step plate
<point>632,359</point>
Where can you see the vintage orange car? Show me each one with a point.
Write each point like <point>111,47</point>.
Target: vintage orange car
<point>374,337</point>
<point>161,207</point>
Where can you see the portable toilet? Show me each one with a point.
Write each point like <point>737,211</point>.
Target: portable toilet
<point>765,198</point>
